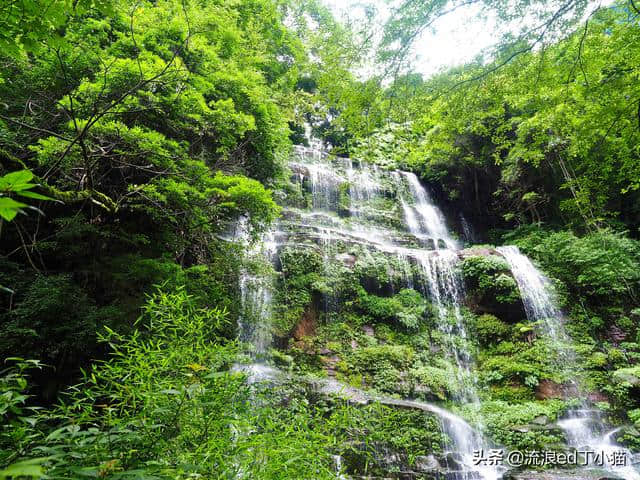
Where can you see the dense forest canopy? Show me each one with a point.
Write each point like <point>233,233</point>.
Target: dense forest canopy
<point>162,199</point>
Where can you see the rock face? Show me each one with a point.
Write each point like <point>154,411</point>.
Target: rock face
<point>616,334</point>
<point>330,363</point>
<point>377,300</point>
<point>548,389</point>
<point>307,325</point>
<point>595,397</point>
<point>490,285</point>
<point>349,260</point>
<point>478,252</point>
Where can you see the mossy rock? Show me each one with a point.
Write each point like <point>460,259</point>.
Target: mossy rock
<point>491,287</point>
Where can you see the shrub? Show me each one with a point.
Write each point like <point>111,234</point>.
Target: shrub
<point>406,308</point>
<point>166,406</point>
<point>490,281</point>
<point>507,424</point>
<point>603,264</point>
<point>490,329</point>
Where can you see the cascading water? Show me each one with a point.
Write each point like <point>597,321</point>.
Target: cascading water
<point>436,259</point>
<point>254,322</point>
<point>343,210</point>
<point>424,219</point>
<point>444,286</point>
<point>583,426</point>
<point>536,293</point>
<point>445,290</point>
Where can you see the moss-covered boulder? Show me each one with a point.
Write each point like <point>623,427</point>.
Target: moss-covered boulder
<point>490,285</point>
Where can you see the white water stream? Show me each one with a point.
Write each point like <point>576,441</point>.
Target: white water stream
<point>583,426</point>
<point>428,256</point>
<point>436,258</point>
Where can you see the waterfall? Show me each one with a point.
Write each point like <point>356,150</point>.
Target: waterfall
<point>445,289</point>
<point>394,214</point>
<point>583,426</point>
<point>424,219</point>
<point>436,260</point>
<point>467,230</point>
<point>363,186</point>
<point>536,293</point>
<point>256,292</point>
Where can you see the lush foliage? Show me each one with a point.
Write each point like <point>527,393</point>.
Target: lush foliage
<point>154,128</point>
<point>540,136</point>
<point>164,406</point>
<point>146,143</point>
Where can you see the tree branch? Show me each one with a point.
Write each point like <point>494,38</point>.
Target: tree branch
<point>37,129</point>
<point>68,196</point>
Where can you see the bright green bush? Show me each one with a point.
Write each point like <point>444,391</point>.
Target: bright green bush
<point>165,405</point>
<point>509,424</point>
<point>490,279</point>
<point>407,308</point>
<point>490,329</point>
<point>603,264</point>
<point>374,430</point>
<point>441,380</point>
<point>383,366</point>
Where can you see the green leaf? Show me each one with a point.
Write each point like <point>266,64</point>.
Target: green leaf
<point>9,208</point>
<point>27,468</point>
<point>37,196</point>
<point>15,181</point>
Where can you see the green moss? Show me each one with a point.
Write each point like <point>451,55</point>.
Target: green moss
<point>490,282</point>
<point>382,366</point>
<point>301,274</point>
<point>511,424</point>
<point>511,393</point>
<point>379,273</point>
<point>406,309</point>
<point>441,381</point>
<point>523,363</point>
<point>490,329</point>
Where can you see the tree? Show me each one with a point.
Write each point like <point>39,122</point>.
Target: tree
<point>526,25</point>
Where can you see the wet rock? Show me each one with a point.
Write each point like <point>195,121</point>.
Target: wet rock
<point>453,461</point>
<point>306,327</point>
<point>541,420</point>
<point>616,334</point>
<point>628,375</point>
<point>330,364</point>
<point>595,397</point>
<point>426,463</point>
<point>548,389</point>
<point>478,251</point>
<point>347,259</point>
<point>551,429</point>
<point>462,475</point>
<point>423,391</point>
